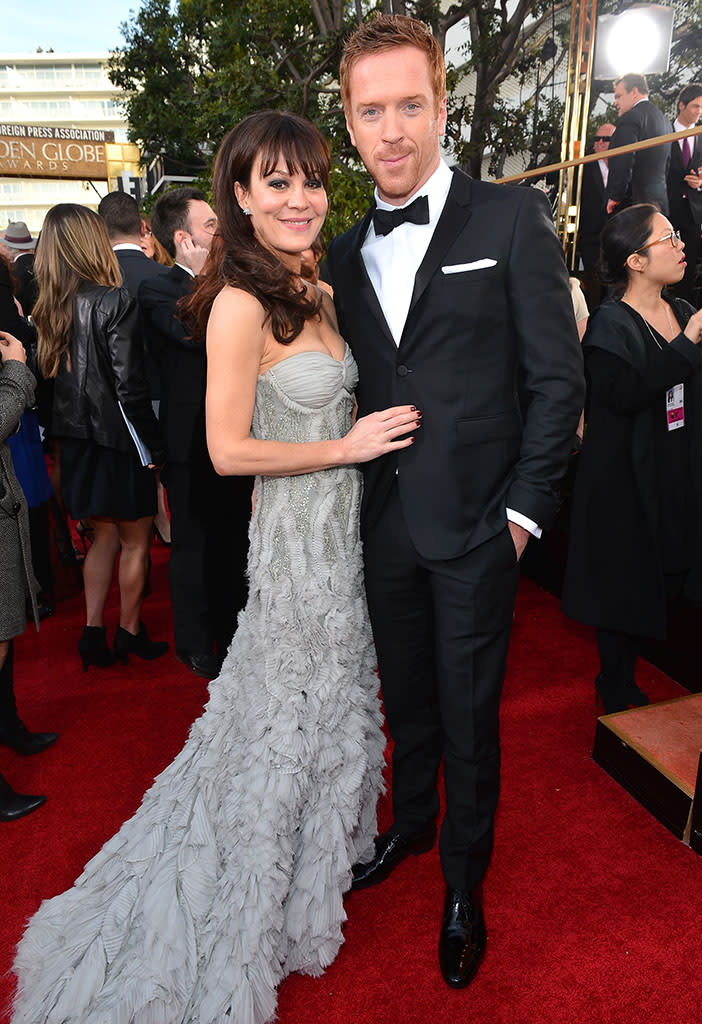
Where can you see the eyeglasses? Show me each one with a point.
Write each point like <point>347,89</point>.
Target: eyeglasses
<point>602,138</point>
<point>674,237</point>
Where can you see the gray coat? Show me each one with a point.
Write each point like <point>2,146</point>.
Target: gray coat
<point>16,576</point>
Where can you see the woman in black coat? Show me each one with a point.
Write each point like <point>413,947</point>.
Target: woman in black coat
<point>636,506</point>
<point>89,344</point>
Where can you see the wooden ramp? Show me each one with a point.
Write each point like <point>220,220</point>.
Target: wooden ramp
<point>654,753</point>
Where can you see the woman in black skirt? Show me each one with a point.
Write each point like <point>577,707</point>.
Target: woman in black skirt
<point>110,440</point>
<point>637,506</point>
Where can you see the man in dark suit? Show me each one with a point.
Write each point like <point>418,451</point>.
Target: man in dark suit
<point>593,213</point>
<point>448,291</point>
<point>124,224</point>
<point>685,185</point>
<point>638,177</point>
<point>209,515</point>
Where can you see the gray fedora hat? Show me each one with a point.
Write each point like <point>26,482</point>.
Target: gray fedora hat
<point>18,236</point>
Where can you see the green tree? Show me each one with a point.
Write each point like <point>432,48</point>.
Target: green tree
<point>192,70</point>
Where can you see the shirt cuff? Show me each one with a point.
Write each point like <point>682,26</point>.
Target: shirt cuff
<point>523,521</point>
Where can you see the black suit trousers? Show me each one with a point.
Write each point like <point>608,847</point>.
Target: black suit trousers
<point>442,631</point>
<point>690,234</point>
<point>186,567</point>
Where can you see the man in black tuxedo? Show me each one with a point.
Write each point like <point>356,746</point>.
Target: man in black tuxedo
<point>209,514</point>
<point>685,185</point>
<point>638,177</point>
<point>448,291</point>
<point>593,213</point>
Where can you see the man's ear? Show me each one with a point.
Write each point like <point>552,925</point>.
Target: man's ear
<point>349,128</point>
<point>179,237</point>
<point>442,116</point>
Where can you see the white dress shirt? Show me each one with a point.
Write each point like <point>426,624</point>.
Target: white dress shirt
<point>604,170</point>
<point>392,262</point>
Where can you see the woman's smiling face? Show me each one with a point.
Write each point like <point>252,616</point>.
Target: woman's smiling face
<point>287,208</point>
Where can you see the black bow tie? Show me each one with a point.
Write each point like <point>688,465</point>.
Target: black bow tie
<point>385,221</point>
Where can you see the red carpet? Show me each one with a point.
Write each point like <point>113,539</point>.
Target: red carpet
<point>593,908</point>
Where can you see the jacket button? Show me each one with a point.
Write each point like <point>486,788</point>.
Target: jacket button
<point>16,508</point>
<point>402,370</point>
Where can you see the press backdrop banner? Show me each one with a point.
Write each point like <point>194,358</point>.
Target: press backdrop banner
<point>47,151</point>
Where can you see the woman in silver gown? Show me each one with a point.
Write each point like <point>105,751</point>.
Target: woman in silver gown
<point>231,873</point>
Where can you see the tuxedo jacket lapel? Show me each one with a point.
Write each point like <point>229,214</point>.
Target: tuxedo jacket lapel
<point>454,217</point>
<point>361,282</point>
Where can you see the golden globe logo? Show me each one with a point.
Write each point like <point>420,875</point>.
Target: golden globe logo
<point>46,151</point>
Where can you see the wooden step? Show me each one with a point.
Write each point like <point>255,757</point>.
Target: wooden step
<point>654,753</point>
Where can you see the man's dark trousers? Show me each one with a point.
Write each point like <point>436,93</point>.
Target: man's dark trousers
<point>442,624</point>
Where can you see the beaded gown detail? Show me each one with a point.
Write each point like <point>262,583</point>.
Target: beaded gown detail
<point>231,873</point>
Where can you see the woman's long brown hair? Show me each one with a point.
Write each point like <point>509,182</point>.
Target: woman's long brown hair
<point>73,248</point>
<point>237,257</point>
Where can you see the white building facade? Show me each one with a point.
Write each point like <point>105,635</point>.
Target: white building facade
<point>67,90</point>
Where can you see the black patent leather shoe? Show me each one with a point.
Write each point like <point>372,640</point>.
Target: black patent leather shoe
<point>463,937</point>
<point>206,665</point>
<point>390,849</point>
<point>16,805</point>
<point>22,741</point>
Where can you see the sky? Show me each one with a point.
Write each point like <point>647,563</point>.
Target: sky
<point>68,26</point>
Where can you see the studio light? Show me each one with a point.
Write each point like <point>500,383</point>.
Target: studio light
<point>638,40</point>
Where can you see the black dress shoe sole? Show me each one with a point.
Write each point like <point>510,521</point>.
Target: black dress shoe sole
<point>422,844</point>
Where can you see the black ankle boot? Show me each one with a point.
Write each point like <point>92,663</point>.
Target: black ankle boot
<point>16,805</point>
<point>93,648</point>
<point>635,696</point>
<point>13,731</point>
<point>16,735</point>
<point>612,693</point>
<point>127,643</point>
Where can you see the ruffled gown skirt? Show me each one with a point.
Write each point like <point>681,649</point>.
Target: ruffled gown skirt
<point>231,873</point>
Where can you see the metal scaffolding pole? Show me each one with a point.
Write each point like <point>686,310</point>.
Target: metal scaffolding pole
<point>577,106</point>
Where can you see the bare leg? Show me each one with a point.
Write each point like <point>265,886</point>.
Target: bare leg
<point>134,538</point>
<point>98,569</point>
<point>162,522</point>
<point>4,648</point>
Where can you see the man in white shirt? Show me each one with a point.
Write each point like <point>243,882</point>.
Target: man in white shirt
<point>449,292</point>
<point>685,185</point>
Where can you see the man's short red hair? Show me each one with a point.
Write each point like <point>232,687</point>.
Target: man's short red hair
<point>383,33</point>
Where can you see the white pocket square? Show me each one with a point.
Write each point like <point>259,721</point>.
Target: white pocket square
<point>459,268</point>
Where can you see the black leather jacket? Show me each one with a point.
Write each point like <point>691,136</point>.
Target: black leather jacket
<point>106,368</point>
